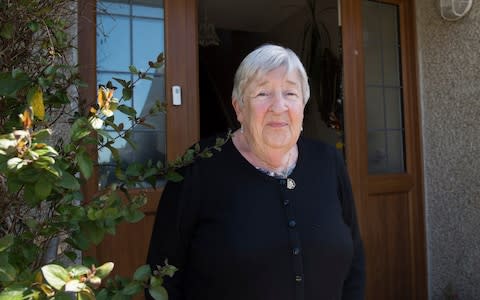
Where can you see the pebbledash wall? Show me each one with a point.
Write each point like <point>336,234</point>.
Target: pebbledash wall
<point>449,69</point>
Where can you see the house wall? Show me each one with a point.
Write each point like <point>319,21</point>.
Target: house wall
<point>449,60</point>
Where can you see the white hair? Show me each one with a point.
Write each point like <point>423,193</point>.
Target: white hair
<point>263,60</point>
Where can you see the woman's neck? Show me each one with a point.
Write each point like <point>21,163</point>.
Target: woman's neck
<point>276,160</point>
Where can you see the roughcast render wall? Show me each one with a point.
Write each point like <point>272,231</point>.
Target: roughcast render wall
<point>449,62</point>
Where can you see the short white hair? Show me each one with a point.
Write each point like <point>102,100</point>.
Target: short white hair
<point>263,60</point>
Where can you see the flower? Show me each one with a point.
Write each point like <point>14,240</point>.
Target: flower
<point>105,100</point>
<point>96,122</point>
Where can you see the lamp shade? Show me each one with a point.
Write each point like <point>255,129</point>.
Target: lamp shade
<point>452,10</point>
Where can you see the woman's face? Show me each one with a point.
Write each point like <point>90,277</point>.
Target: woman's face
<point>272,111</point>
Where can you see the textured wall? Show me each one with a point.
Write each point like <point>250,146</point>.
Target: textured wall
<point>449,61</point>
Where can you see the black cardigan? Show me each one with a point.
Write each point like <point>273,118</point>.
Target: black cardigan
<point>235,233</point>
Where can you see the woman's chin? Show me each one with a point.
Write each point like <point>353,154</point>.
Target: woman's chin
<point>279,141</point>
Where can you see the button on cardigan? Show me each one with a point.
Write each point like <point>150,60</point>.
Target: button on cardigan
<point>236,233</point>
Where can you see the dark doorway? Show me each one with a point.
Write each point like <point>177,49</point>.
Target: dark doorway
<point>230,29</point>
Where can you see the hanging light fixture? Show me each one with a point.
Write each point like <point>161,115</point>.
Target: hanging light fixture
<point>207,36</point>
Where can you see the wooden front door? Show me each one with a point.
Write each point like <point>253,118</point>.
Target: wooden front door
<point>383,146</point>
<point>128,248</point>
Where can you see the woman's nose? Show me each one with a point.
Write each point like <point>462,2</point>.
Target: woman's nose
<point>279,103</point>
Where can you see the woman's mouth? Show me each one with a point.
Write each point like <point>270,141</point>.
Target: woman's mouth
<point>277,124</point>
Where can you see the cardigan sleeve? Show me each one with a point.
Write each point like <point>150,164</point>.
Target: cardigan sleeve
<point>174,223</point>
<point>354,284</point>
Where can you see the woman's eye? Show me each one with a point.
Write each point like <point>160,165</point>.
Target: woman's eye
<point>292,94</point>
<point>262,94</point>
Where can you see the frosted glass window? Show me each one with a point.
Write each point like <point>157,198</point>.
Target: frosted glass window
<point>375,108</point>
<point>383,88</point>
<point>373,64</point>
<point>377,156</point>
<point>393,108</point>
<point>131,32</point>
<point>395,151</point>
<point>390,65</point>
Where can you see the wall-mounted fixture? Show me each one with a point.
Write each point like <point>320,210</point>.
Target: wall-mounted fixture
<point>452,10</point>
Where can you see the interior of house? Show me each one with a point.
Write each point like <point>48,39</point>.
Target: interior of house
<point>229,30</point>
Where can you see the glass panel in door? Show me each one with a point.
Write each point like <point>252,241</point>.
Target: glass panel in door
<point>131,32</point>
<point>383,85</point>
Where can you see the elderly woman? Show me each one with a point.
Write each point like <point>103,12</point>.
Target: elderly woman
<point>271,216</point>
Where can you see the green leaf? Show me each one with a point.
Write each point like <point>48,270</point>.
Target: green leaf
<point>79,241</point>
<point>78,270</point>
<point>167,270</point>
<point>129,111</point>
<point>122,82</point>
<point>142,273</point>
<point>42,135</point>
<point>71,255</point>
<point>6,31</point>
<point>62,296</point>
<point>133,69</point>
<point>85,164</point>
<point>127,93</point>
<point>10,85</point>
<point>173,176</point>
<point>161,58</point>
<point>45,82</point>
<point>188,155</point>
<point>133,215</point>
<point>134,169</point>
<point>158,292</point>
<point>80,129</point>
<point>133,288</point>
<point>19,74</point>
<point>156,280</point>
<point>55,275</point>
<point>120,296</point>
<point>44,150</point>
<point>92,232</point>
<point>6,242</point>
<point>29,195</point>
<point>104,270</point>
<point>7,272</point>
<point>43,188</point>
<point>89,261</point>
<point>69,181</point>
<point>12,293</point>
<point>102,295</point>
<point>62,98</point>
<point>85,295</point>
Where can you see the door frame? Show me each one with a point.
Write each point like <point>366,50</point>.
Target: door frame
<point>411,182</point>
<point>182,122</point>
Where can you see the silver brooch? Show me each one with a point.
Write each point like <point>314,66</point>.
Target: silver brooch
<point>290,184</point>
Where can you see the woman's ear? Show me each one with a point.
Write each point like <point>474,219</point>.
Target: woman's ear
<point>238,109</point>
